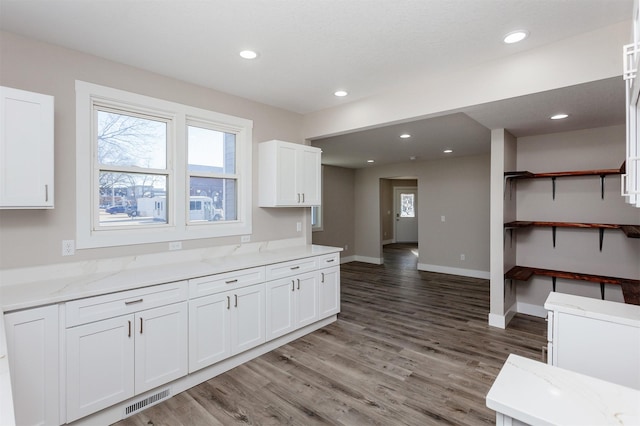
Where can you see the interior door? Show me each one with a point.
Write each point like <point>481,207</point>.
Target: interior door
<point>406,214</point>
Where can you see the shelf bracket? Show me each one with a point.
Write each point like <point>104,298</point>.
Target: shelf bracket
<point>553,235</point>
<point>553,283</point>
<point>602,186</point>
<point>601,237</point>
<point>553,187</point>
<point>602,290</point>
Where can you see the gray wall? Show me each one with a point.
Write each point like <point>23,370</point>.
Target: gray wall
<point>33,237</point>
<point>457,188</point>
<point>337,210</point>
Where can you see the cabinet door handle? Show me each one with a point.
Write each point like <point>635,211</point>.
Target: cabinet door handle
<point>140,325</point>
<point>293,285</point>
<point>298,198</point>
<point>322,277</point>
<point>231,281</point>
<point>132,302</point>
<point>129,328</point>
<point>303,197</point>
<point>298,283</point>
<point>46,193</point>
<point>236,305</point>
<point>228,302</point>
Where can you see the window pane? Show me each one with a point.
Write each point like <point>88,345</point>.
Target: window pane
<point>212,199</point>
<point>407,205</point>
<point>132,199</point>
<point>211,151</point>
<point>127,140</point>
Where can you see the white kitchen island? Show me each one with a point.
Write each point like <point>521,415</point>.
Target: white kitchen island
<point>528,392</point>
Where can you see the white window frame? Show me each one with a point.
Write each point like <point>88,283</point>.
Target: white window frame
<point>87,233</point>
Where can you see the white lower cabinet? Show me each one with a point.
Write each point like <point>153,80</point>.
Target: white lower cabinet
<point>225,324</point>
<point>291,303</point>
<point>329,291</point>
<point>112,359</point>
<point>32,350</point>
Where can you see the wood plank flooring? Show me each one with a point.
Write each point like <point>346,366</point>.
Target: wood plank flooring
<point>409,348</point>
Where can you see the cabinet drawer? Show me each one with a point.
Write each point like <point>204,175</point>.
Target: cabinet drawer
<point>111,305</point>
<point>227,281</point>
<point>328,260</point>
<point>294,267</point>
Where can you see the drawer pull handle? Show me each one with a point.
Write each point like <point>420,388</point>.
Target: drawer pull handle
<point>330,260</point>
<point>231,281</point>
<point>293,268</point>
<point>129,328</point>
<point>140,325</point>
<point>131,302</point>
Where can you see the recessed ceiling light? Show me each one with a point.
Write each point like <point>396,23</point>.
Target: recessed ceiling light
<point>515,36</point>
<point>448,151</point>
<point>371,161</point>
<point>405,135</point>
<point>340,93</point>
<point>248,54</point>
<point>559,116</point>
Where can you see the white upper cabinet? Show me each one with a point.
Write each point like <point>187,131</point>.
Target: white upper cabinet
<point>290,175</point>
<point>26,150</point>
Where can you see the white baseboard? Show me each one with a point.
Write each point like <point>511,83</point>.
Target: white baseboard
<point>530,309</point>
<point>347,259</point>
<point>366,259</point>
<point>498,321</point>
<point>454,271</point>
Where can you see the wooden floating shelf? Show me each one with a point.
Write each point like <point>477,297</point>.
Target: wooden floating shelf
<point>515,175</point>
<point>630,287</point>
<point>529,175</point>
<point>631,231</point>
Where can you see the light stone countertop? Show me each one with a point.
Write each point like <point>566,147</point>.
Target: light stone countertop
<point>588,307</point>
<point>31,287</point>
<point>540,394</point>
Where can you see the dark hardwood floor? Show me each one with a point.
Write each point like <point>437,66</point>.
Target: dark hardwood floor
<point>409,348</point>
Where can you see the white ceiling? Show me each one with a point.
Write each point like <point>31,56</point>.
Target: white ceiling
<point>310,48</point>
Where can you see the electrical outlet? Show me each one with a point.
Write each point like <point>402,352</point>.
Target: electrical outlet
<point>299,226</point>
<point>346,246</point>
<point>68,247</point>
<point>462,257</point>
<point>245,238</point>
<point>441,218</point>
<point>175,245</point>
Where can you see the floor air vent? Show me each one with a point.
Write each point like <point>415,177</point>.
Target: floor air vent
<point>138,406</point>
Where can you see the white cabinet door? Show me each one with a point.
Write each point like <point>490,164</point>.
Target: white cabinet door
<point>209,330</point>
<point>161,346</point>
<point>309,176</point>
<point>306,304</point>
<point>26,149</point>
<point>287,175</point>
<point>100,365</point>
<point>32,350</point>
<point>329,291</point>
<point>280,315</point>
<point>247,318</point>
